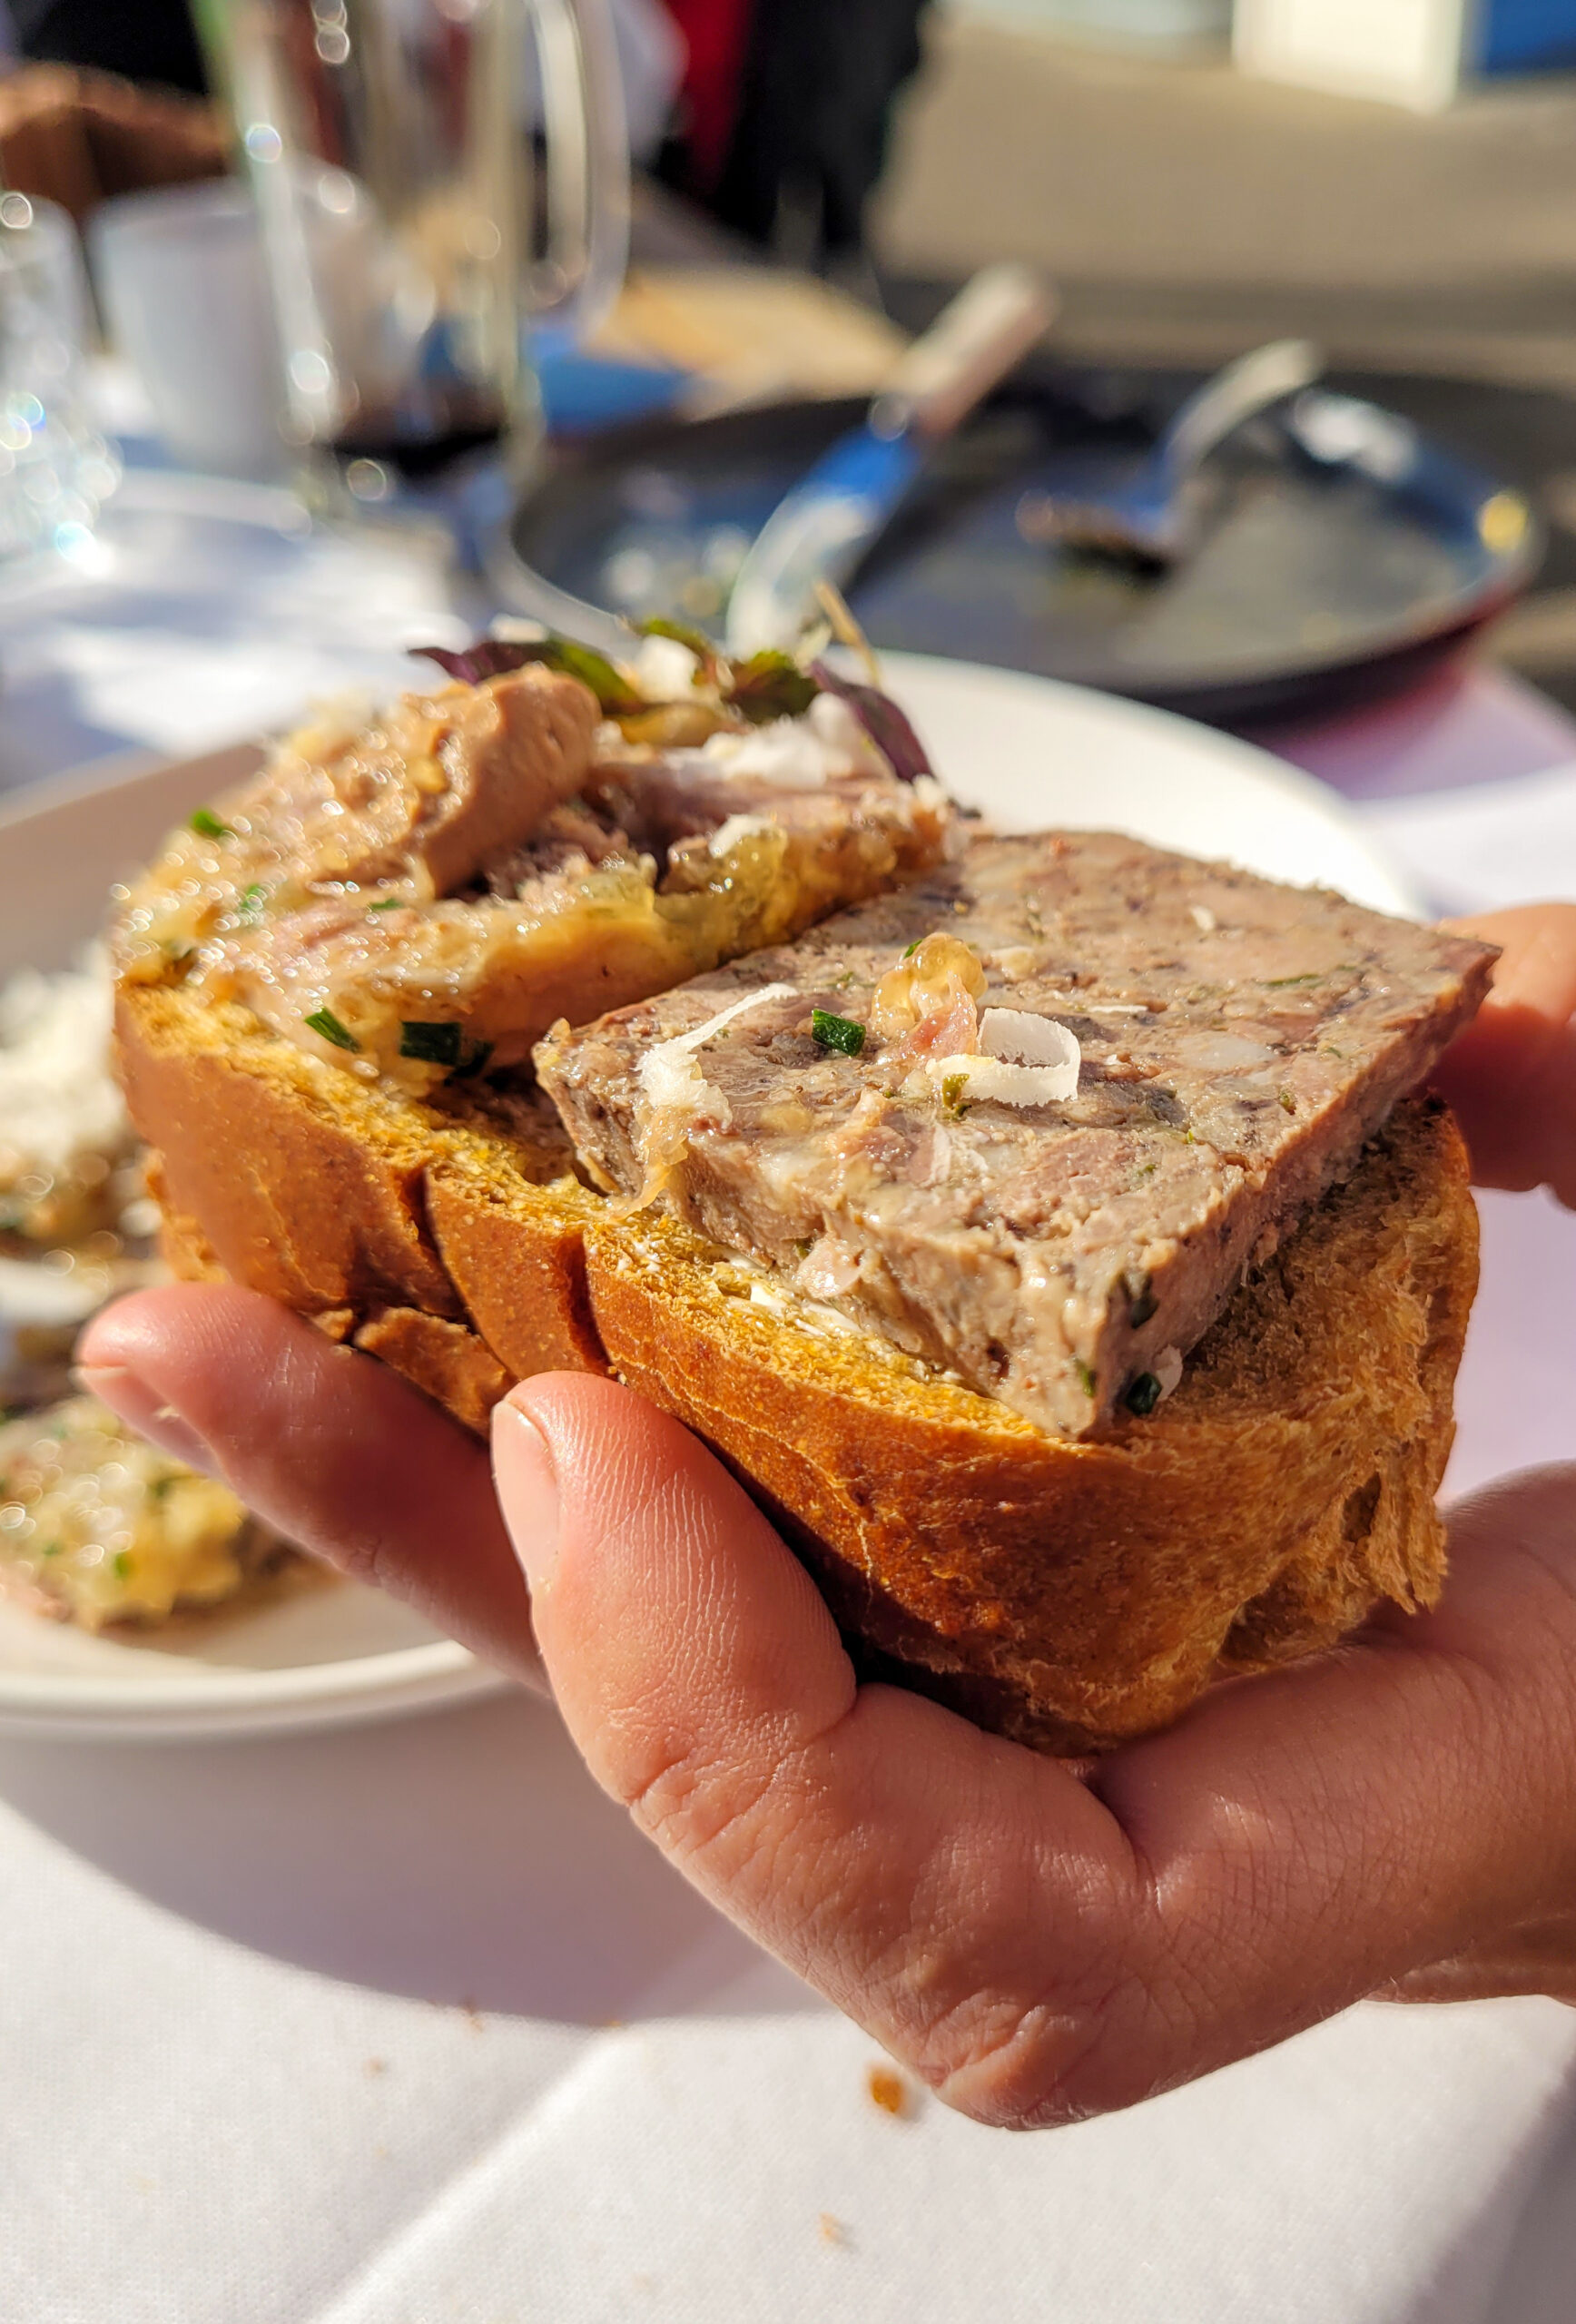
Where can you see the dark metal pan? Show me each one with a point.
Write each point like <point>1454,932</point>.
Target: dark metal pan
<point>1315,586</point>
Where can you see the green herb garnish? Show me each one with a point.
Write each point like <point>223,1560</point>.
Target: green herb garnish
<point>1142,1302</point>
<point>770,685</point>
<point>1279,984</point>
<point>491,657</point>
<point>444,1044</point>
<point>389,903</point>
<point>207,825</point>
<point>695,640</point>
<point>324,1022</point>
<point>51,1550</point>
<point>614,695</point>
<point>123,1565</point>
<point>1288,1103</point>
<point>910,949</point>
<point>1142,1396</point>
<point>252,901</point>
<point>952,1089</point>
<point>163,1487</point>
<point>836,1033</point>
<point>432,1044</point>
<point>1086,1376</point>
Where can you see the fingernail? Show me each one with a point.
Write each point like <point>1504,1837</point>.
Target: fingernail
<point>142,1408</point>
<point>527,1487</point>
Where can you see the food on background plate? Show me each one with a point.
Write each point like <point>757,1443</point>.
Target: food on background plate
<point>95,1527</point>
<point>68,1154</point>
<point>98,1528</point>
<point>1047,1239</point>
<point>76,1224</point>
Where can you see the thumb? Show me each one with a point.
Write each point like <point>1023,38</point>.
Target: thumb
<point>931,1880</point>
<point>665,1604</point>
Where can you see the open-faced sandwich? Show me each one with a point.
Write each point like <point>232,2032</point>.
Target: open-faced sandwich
<point>1043,1228</point>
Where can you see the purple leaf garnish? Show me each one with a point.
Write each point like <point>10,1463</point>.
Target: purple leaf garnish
<point>882,721</point>
<point>490,657</point>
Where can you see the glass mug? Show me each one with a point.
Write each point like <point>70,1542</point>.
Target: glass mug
<point>56,470</point>
<point>433,179</point>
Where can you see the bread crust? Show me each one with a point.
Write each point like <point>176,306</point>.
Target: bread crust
<point>1070,1594</point>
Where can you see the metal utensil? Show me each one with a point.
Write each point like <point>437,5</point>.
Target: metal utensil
<point>1154,514</point>
<point>820,532</point>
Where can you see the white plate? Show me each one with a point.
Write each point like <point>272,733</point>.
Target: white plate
<point>1025,751</point>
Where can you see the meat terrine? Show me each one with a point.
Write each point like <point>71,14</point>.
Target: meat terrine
<point>419,892</point>
<point>1032,1118</point>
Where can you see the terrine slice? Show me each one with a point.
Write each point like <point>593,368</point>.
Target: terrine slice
<point>1032,1117</point>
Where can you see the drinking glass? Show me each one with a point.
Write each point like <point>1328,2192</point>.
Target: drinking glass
<point>434,178</point>
<point>56,470</point>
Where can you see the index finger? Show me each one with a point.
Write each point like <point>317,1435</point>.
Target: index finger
<point>1511,1077</point>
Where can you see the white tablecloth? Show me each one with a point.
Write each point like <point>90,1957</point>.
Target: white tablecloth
<point>320,2030</point>
<point>406,2026</point>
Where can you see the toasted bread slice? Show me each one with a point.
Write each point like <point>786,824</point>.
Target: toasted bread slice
<point>1067,1594</point>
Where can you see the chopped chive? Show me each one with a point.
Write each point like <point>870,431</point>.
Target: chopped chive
<point>253,900</point>
<point>1143,1303</point>
<point>1279,984</point>
<point>389,903</point>
<point>836,1033</point>
<point>1142,1396</point>
<point>697,642</point>
<point>1085,1377</point>
<point>770,684</point>
<point>432,1044</point>
<point>1288,1102</point>
<point>50,1550</point>
<point>123,1565</point>
<point>207,825</point>
<point>324,1022</point>
<point>910,949</point>
<point>952,1089</point>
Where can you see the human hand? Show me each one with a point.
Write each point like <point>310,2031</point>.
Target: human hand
<point>1034,1943</point>
<point>1511,1078</point>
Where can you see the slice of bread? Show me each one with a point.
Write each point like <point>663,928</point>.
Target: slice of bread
<point>1066,1593</point>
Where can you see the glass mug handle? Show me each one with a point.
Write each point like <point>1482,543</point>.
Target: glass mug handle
<point>586,140</point>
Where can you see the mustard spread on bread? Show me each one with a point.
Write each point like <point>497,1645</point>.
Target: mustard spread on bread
<point>419,894</point>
